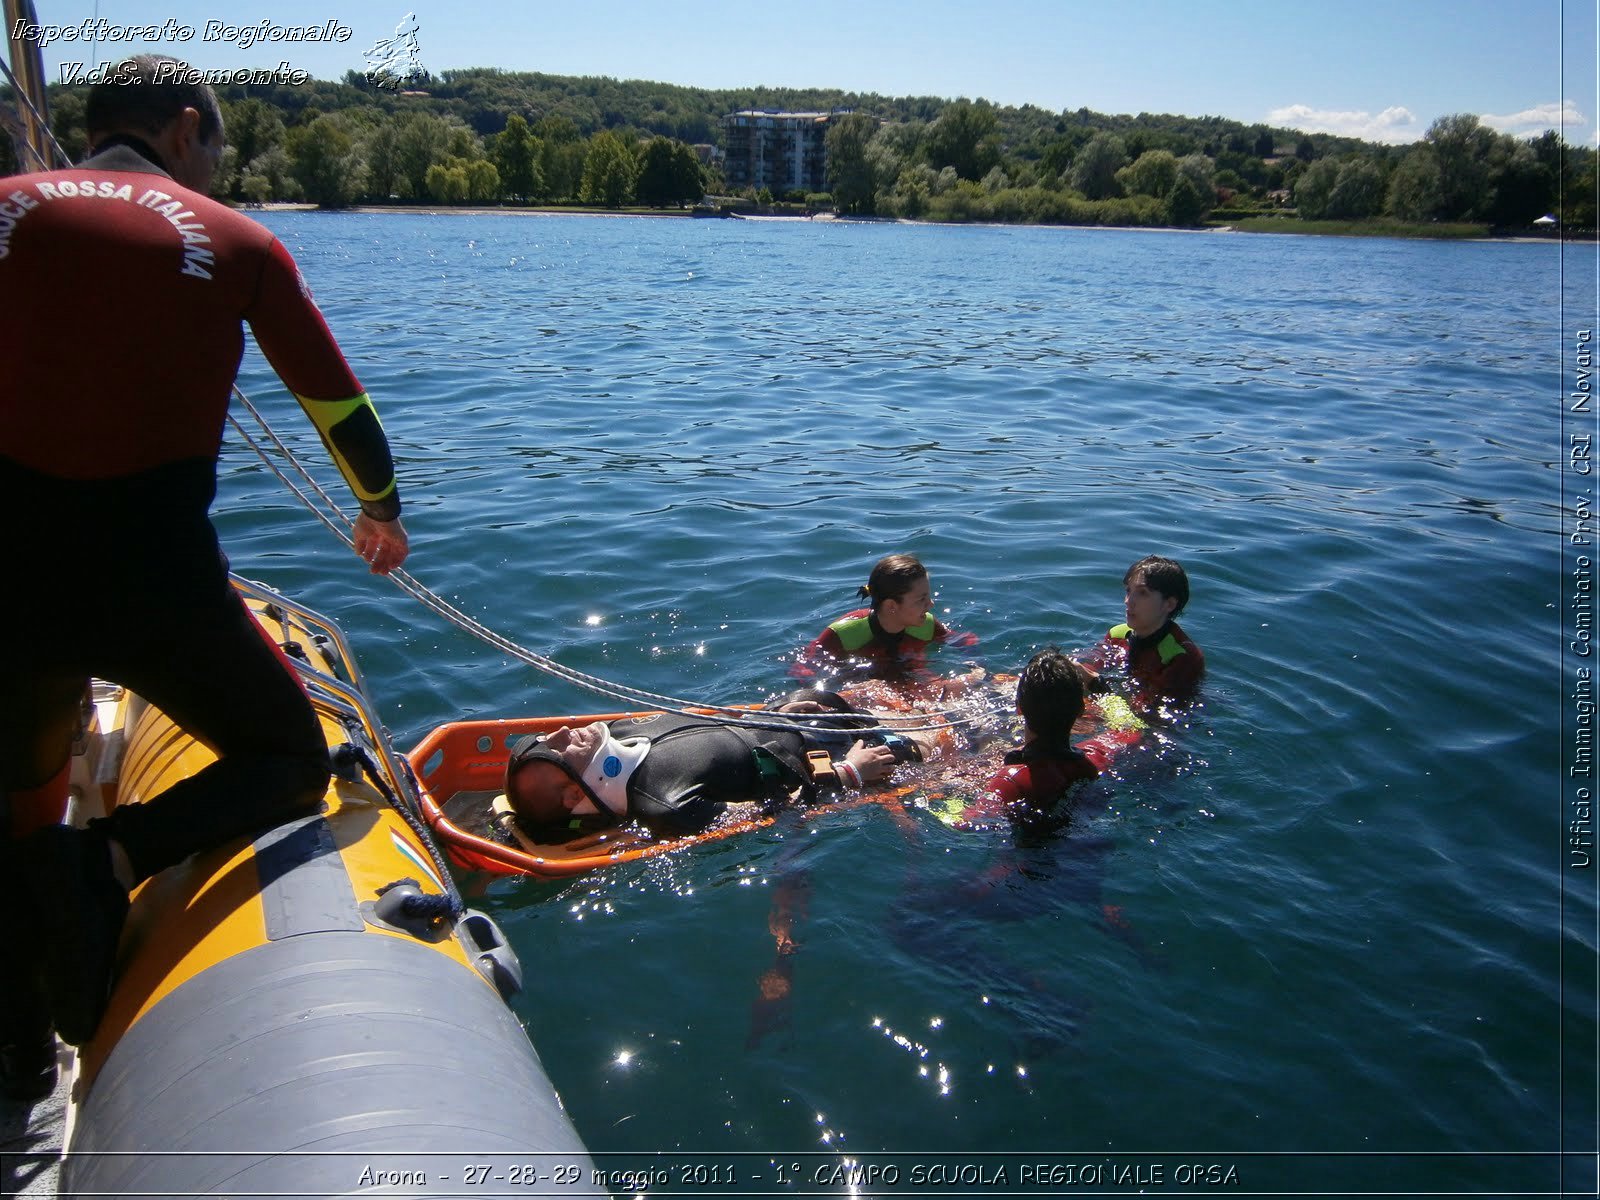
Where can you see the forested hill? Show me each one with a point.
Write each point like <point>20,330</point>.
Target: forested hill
<point>493,136</point>
<point>484,97</point>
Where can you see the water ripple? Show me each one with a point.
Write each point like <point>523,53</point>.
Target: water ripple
<point>669,451</point>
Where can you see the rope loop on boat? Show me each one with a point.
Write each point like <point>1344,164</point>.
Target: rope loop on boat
<point>354,751</point>
<point>402,901</point>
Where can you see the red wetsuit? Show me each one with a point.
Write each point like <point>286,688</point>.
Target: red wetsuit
<point>1164,666</point>
<point>125,294</point>
<point>857,647</point>
<point>1033,778</point>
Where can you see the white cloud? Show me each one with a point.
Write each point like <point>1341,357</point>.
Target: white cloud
<point>1531,122</point>
<point>1398,124</point>
<point>1395,124</point>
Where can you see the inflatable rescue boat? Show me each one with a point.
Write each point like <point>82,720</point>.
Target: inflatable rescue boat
<point>312,1012</point>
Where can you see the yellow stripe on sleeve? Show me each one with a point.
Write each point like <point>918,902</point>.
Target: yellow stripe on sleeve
<point>354,437</point>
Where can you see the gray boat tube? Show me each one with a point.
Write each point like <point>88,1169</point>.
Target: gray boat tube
<point>334,1058</point>
<point>334,1064</point>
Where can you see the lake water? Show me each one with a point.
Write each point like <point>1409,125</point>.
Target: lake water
<point>1327,937</point>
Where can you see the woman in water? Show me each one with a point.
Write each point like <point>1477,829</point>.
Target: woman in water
<point>890,639</point>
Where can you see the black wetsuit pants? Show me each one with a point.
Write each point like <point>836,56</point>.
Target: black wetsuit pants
<point>124,580</point>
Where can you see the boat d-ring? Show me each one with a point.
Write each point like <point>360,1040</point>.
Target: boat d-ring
<point>491,953</point>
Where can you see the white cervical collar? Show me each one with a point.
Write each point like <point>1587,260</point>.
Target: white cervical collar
<point>609,770</point>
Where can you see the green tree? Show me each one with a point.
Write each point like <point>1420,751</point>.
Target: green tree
<point>1094,171</point>
<point>669,173</point>
<point>966,201</point>
<point>912,191</point>
<point>447,181</point>
<point>852,175</point>
<point>1548,149</point>
<point>995,181</point>
<point>483,181</point>
<point>1187,203</point>
<point>270,176</point>
<point>1056,160</point>
<point>326,163</point>
<point>1522,187</point>
<point>1560,165</point>
<point>257,189</point>
<point>561,164</point>
<point>609,171</point>
<point>886,164</point>
<point>516,157</point>
<point>1462,147</point>
<point>463,143</point>
<point>1248,169</point>
<point>460,152</point>
<point>1151,174</point>
<point>1202,171</point>
<point>1232,181</point>
<point>421,141</point>
<point>67,123</point>
<point>963,137</point>
<point>1313,188</point>
<point>253,128</point>
<point>561,155</point>
<point>1579,211</point>
<point>1414,186</point>
<point>904,137</point>
<point>226,178</point>
<point>1357,191</point>
<point>379,147</point>
<point>690,180</point>
<point>653,183</point>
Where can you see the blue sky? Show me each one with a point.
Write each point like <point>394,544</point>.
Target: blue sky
<point>1378,70</point>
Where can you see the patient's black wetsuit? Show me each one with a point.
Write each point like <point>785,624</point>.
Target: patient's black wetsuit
<point>697,767</point>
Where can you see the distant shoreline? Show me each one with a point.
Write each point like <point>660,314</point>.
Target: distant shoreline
<point>450,210</point>
<point>680,213</point>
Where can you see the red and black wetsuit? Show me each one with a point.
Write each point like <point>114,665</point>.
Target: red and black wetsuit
<point>125,295</point>
<point>857,647</point>
<point>1033,778</point>
<point>1164,666</point>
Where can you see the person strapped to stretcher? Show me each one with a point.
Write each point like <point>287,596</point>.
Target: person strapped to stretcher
<point>677,774</point>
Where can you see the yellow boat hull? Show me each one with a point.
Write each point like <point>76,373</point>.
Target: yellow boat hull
<point>285,1020</point>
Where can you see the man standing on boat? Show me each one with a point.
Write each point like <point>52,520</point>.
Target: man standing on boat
<point>125,290</point>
